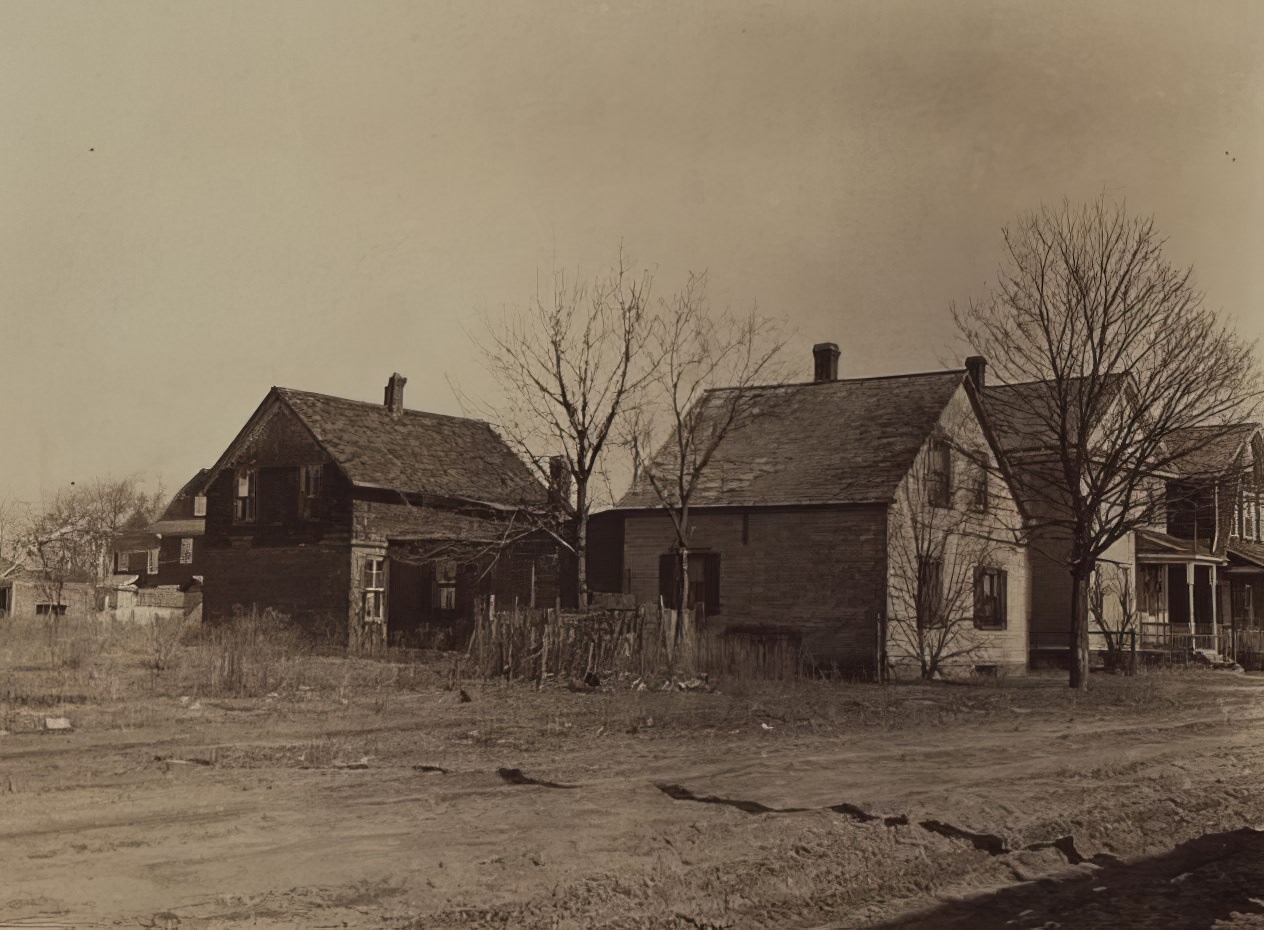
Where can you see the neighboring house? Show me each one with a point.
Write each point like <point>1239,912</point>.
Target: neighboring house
<point>850,515</point>
<point>1214,511</point>
<point>1165,582</point>
<point>1016,415</point>
<point>170,551</point>
<point>26,591</point>
<point>371,522</point>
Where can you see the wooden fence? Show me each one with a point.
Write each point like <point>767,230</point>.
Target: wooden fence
<point>593,645</point>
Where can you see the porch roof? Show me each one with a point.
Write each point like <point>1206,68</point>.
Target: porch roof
<point>1153,546</point>
<point>1246,555</point>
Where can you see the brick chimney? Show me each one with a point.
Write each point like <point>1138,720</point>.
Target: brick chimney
<point>825,355</point>
<point>976,367</point>
<point>395,393</point>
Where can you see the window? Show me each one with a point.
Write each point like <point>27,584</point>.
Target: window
<point>120,562</point>
<point>1249,529</point>
<point>939,473</point>
<point>199,505</point>
<point>1151,597</point>
<point>374,590</point>
<point>244,496</point>
<point>1235,528</point>
<point>930,591</point>
<point>57,610</point>
<point>151,566</point>
<point>1243,603</point>
<point>186,550</point>
<point>445,585</point>
<point>704,580</point>
<point>309,491</point>
<point>991,607</point>
<point>979,492</point>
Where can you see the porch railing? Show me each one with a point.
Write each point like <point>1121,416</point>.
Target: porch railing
<point>1168,643</point>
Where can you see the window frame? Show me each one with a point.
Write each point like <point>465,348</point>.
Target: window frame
<point>997,618</point>
<point>938,475</point>
<point>374,583</point>
<point>310,490</point>
<point>245,507</point>
<point>928,604</point>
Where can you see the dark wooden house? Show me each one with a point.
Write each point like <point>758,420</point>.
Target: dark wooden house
<point>372,522</point>
<point>801,524</point>
<point>169,553</point>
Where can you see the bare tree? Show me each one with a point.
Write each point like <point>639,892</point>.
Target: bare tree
<point>568,366</point>
<point>710,382</point>
<point>68,537</point>
<point>1109,352</point>
<point>1112,606</point>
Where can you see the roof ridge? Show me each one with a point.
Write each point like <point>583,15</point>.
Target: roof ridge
<point>794,384</point>
<point>376,406</point>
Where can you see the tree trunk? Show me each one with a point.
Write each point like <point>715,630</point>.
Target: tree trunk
<point>1080,572</point>
<point>581,543</point>
<point>682,593</point>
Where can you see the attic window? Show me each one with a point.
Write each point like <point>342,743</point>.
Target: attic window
<point>199,505</point>
<point>310,485</point>
<point>979,495</point>
<point>939,473</point>
<point>244,496</point>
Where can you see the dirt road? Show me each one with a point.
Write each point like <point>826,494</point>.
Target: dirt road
<point>836,806</point>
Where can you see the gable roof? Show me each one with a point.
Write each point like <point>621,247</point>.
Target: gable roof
<point>1210,450</point>
<point>1020,413</point>
<point>180,507</point>
<point>410,451</point>
<point>827,442</point>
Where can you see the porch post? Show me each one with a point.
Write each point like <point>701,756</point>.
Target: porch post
<point>1215,596</point>
<point>1189,589</point>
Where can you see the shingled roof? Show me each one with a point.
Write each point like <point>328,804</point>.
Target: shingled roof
<point>413,451</point>
<point>826,442</point>
<point>1210,450</point>
<point>1021,414</point>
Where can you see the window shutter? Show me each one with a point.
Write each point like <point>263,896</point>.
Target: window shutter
<point>1002,599</point>
<point>980,608</point>
<point>152,567</point>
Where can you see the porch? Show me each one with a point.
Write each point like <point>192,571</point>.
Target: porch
<point>1180,596</point>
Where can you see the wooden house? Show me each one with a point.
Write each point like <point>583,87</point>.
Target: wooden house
<point>372,522</point>
<point>836,518</point>
<point>169,553</point>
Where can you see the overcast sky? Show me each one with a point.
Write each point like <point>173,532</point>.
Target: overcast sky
<point>201,200</point>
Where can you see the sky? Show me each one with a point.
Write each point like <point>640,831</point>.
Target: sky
<point>200,200</point>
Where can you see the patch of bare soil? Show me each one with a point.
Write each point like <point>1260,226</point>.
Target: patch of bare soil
<point>370,794</point>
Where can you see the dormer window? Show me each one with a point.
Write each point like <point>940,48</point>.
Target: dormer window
<point>244,502</point>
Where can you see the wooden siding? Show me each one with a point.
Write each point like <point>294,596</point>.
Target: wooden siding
<point>818,572</point>
<point>964,538</point>
<point>309,583</point>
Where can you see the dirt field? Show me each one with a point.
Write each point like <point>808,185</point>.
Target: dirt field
<point>362,793</point>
